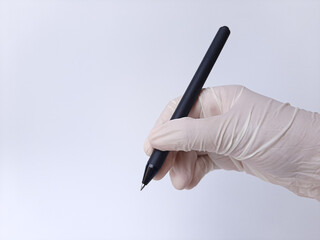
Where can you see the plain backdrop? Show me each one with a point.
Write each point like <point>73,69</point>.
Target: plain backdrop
<point>81,85</point>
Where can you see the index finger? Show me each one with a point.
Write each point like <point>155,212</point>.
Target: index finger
<point>167,113</point>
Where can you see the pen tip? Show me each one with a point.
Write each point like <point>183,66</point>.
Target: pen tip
<point>142,186</point>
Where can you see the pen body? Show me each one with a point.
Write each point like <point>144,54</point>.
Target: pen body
<point>191,94</point>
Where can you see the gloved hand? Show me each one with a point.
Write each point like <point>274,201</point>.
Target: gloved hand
<point>233,128</point>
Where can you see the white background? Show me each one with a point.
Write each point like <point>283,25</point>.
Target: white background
<point>81,85</point>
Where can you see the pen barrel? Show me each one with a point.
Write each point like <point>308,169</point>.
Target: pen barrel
<point>193,90</point>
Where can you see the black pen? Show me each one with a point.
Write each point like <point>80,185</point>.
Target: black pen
<point>158,157</point>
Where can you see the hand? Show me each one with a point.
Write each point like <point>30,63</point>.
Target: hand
<point>233,128</point>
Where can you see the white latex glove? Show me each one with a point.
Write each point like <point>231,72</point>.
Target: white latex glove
<point>233,128</point>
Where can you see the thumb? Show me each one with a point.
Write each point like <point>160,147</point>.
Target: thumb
<point>187,134</point>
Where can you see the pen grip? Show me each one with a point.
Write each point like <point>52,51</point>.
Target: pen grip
<point>157,158</point>
<point>154,164</point>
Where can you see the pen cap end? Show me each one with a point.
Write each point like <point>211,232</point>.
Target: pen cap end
<point>225,28</point>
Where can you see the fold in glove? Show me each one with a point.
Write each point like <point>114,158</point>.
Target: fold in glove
<point>233,128</point>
